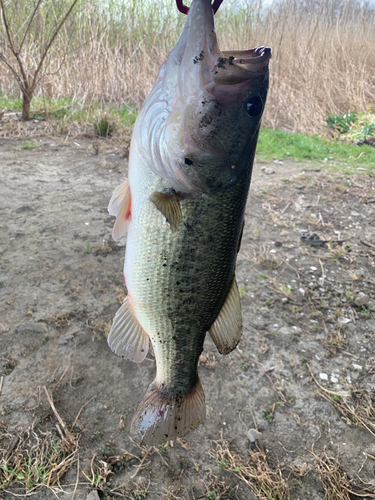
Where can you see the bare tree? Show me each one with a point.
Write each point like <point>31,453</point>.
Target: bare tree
<point>13,44</point>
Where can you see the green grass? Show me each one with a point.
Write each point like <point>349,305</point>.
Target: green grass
<point>277,144</point>
<point>272,144</point>
<point>10,103</point>
<point>29,145</point>
<point>70,111</point>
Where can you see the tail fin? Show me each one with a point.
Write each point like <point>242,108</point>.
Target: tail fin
<point>161,417</point>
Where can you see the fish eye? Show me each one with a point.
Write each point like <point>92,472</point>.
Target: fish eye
<point>254,106</point>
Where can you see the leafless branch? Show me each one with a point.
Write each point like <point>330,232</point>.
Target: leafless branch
<point>30,21</point>
<point>35,79</point>
<point>19,81</point>
<point>15,52</point>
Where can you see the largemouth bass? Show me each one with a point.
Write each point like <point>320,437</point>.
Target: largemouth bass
<point>183,206</point>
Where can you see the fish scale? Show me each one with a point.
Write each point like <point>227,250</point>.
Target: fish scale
<point>190,165</point>
<point>182,300</point>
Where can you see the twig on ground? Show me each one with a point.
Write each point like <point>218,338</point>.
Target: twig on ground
<point>76,485</point>
<point>68,439</point>
<point>60,379</point>
<point>140,465</point>
<point>80,411</point>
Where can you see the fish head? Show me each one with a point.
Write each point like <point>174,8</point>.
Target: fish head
<point>199,126</point>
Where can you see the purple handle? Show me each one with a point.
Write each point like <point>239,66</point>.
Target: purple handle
<point>182,8</point>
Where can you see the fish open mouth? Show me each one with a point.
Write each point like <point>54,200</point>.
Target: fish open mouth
<point>198,91</point>
<point>237,66</point>
<point>202,63</point>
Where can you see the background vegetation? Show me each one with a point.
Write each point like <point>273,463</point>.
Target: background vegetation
<point>110,52</point>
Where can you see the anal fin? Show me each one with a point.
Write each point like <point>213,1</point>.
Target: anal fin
<point>226,330</point>
<point>169,205</point>
<point>120,206</point>
<point>127,338</point>
<point>161,417</point>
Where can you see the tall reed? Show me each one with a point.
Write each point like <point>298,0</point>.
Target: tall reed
<point>110,52</point>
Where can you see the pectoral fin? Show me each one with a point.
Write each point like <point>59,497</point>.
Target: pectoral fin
<point>127,338</point>
<point>169,205</point>
<point>226,330</point>
<point>120,206</point>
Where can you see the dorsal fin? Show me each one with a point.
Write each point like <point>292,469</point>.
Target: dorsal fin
<point>127,338</point>
<point>226,330</point>
<point>120,206</point>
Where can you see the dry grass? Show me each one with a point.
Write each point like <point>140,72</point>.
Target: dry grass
<point>70,129</point>
<point>208,360</point>
<point>356,406</point>
<point>336,483</point>
<point>323,57</point>
<point>266,482</point>
<point>37,458</point>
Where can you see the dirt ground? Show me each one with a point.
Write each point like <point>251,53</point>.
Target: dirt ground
<point>303,374</point>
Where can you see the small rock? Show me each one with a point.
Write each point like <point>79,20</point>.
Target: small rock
<point>284,330</point>
<point>93,495</point>
<point>25,208</point>
<point>121,242</point>
<point>278,244</point>
<point>362,299</point>
<point>357,367</point>
<point>268,170</point>
<point>122,422</point>
<point>300,186</point>
<point>323,376</point>
<point>253,435</point>
<point>284,300</point>
<point>344,320</point>
<point>32,328</point>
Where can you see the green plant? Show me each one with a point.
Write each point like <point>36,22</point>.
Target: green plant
<point>28,144</point>
<point>163,448</point>
<point>271,335</point>
<point>104,127</point>
<point>211,495</point>
<point>244,366</point>
<point>268,415</point>
<point>341,123</point>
